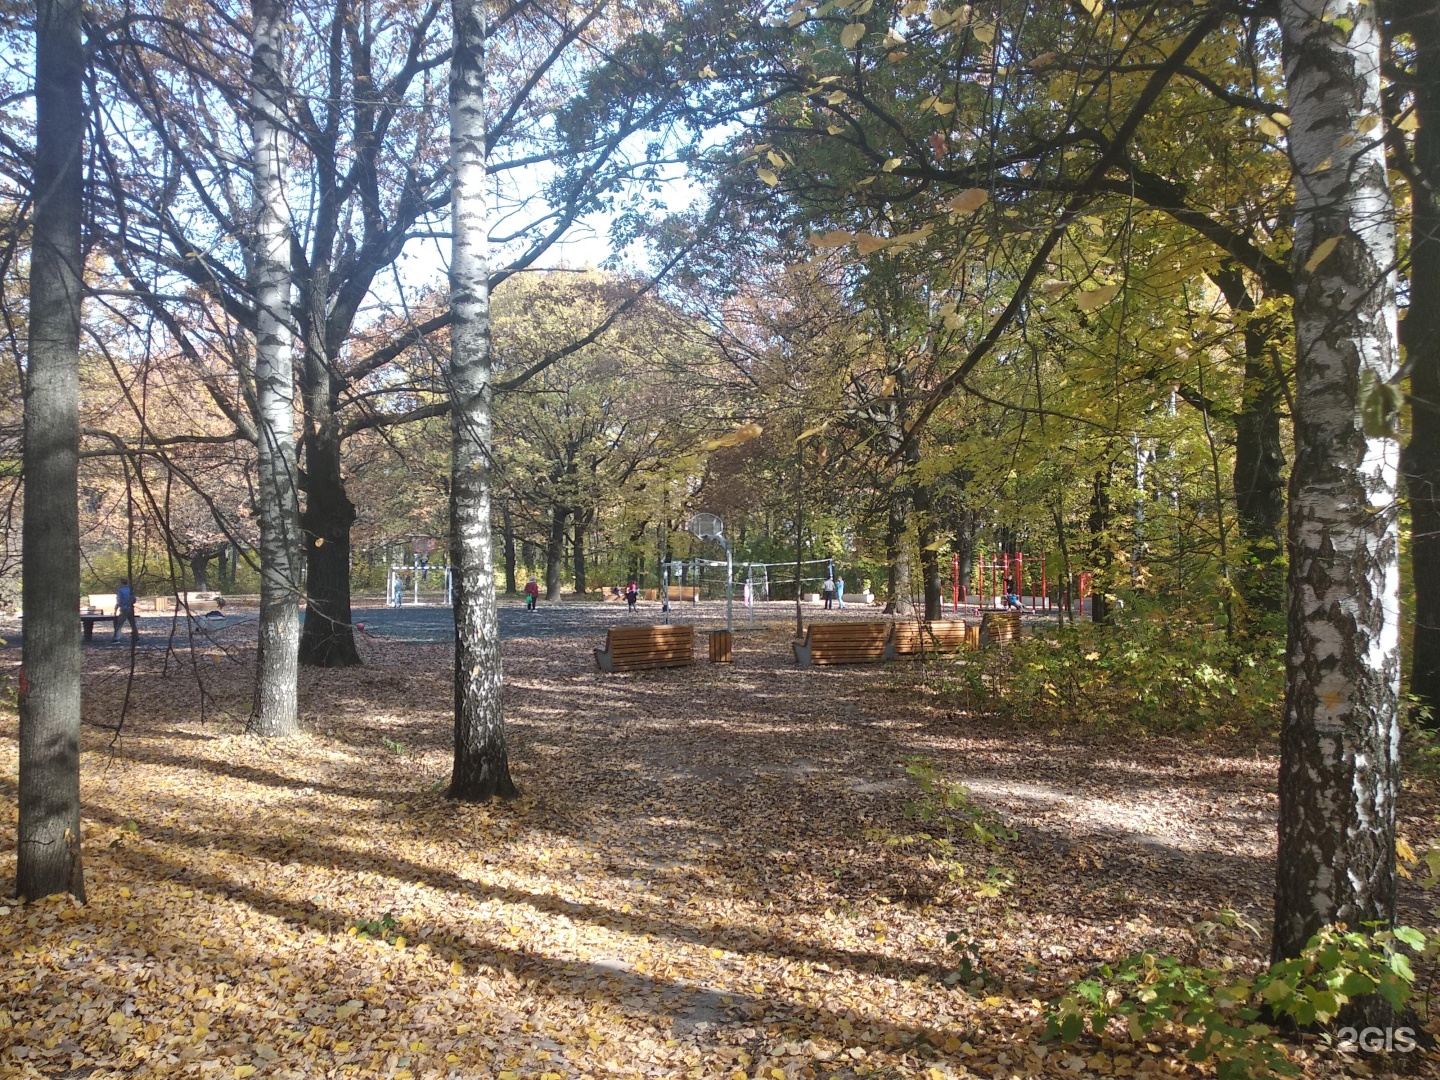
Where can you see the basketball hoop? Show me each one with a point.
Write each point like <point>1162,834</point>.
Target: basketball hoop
<point>705,526</point>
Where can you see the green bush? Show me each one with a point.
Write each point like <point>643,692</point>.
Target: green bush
<point>1228,1018</point>
<point>1160,672</point>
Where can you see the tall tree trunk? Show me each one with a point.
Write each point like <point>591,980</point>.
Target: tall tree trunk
<point>507,533</point>
<point>583,518</point>
<point>276,711</point>
<point>482,760</point>
<point>897,551</point>
<point>555,551</point>
<point>1102,558</point>
<point>199,571</point>
<point>48,852</point>
<point>1420,461</point>
<point>929,554</point>
<point>328,639</point>
<point>1259,475</point>
<point>1339,760</point>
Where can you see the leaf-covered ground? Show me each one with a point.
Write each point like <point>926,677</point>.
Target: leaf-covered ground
<point>710,873</point>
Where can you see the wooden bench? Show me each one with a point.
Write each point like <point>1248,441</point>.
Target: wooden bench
<point>910,638</point>
<point>842,643</point>
<point>628,648</point>
<point>999,627</point>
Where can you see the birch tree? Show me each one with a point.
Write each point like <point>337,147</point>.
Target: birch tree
<point>48,855</point>
<point>482,763</point>
<point>275,712</point>
<point>1340,741</point>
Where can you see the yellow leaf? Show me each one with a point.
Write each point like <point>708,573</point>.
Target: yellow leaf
<point>1093,299</point>
<point>1270,127</point>
<point>984,32</point>
<point>744,433</point>
<point>890,164</point>
<point>969,200</point>
<point>869,244</point>
<point>775,159</point>
<point>888,386</point>
<point>1321,253</point>
<point>1410,122</point>
<point>835,129</point>
<point>835,97</point>
<point>944,108</point>
<point>242,1071</point>
<point>1404,851</point>
<point>812,431</point>
<point>1094,7</point>
<point>768,175</point>
<point>851,35</point>
<point>319,541</point>
<point>707,72</point>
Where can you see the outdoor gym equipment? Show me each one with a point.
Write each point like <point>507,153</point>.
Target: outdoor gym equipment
<point>1002,569</point>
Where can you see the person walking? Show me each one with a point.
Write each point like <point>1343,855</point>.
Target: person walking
<point>827,593</point>
<point>125,610</point>
<point>532,594</point>
<point>632,594</point>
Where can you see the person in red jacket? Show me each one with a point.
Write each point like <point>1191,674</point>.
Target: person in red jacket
<point>532,594</point>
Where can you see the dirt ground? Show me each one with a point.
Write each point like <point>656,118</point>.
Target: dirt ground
<point>710,872</point>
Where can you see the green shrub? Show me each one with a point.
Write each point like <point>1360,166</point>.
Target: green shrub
<point>1228,1018</point>
<point>1163,671</point>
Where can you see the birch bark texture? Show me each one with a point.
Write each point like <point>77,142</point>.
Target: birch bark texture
<point>1340,742</point>
<point>276,712</point>
<point>48,855</point>
<point>482,764</point>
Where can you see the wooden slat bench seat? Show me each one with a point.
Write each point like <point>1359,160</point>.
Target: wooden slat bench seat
<point>842,643</point>
<point>999,627</point>
<point>910,638</point>
<point>629,648</point>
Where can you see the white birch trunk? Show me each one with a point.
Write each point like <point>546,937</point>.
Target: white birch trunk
<point>48,853</point>
<point>275,711</point>
<point>1339,753</point>
<point>482,765</point>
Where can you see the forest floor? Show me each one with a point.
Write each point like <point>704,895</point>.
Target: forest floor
<point>710,872</point>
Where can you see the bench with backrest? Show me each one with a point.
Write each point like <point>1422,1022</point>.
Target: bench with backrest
<point>630,648</point>
<point>842,643</point>
<point>911,638</point>
<point>999,627</point>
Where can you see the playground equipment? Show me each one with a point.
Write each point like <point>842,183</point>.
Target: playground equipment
<point>1031,583</point>
<point>1002,570</point>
